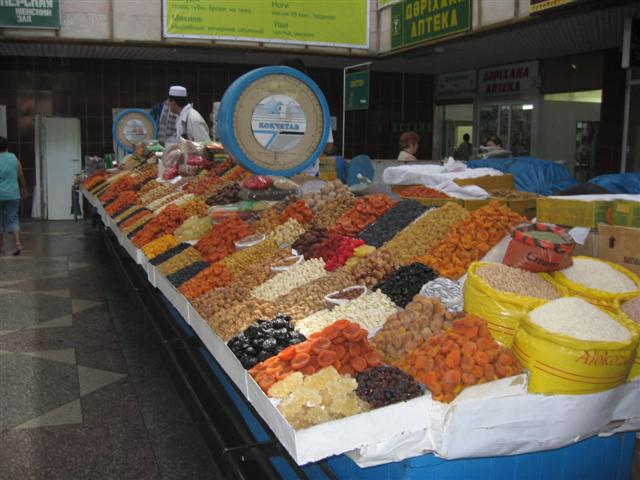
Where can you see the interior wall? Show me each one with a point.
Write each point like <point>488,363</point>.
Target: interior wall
<point>557,130</point>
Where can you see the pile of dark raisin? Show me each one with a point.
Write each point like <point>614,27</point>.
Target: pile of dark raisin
<point>384,385</point>
<point>187,273</point>
<point>227,194</point>
<point>308,239</point>
<point>164,256</point>
<point>264,339</point>
<point>391,222</point>
<point>403,284</point>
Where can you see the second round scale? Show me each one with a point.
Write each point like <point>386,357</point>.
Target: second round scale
<point>274,121</point>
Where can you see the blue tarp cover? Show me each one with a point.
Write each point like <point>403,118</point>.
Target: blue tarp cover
<point>530,174</point>
<point>619,182</point>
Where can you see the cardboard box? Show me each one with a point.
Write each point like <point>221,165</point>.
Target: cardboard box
<point>572,213</point>
<point>620,245</point>
<point>488,182</point>
<point>591,247</point>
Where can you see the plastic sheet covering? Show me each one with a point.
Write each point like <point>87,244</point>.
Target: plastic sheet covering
<point>431,175</point>
<point>559,364</point>
<point>530,174</point>
<point>619,182</point>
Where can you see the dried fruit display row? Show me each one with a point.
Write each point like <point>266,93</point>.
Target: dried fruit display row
<point>195,207</point>
<point>164,200</point>
<point>373,268</point>
<point>384,385</point>
<point>220,168</point>
<point>284,282</point>
<point>513,194</point>
<point>225,195</point>
<point>233,320</point>
<point>160,245</point>
<point>167,254</point>
<point>242,260</point>
<point>391,222</point>
<point>418,238</point>
<point>194,228</point>
<point>297,210</point>
<point>471,240</point>
<point>121,185</point>
<point>308,239</point>
<point>180,260</point>
<point>403,284</point>
<point>220,241</point>
<point>109,181</point>
<point>335,250</point>
<point>420,191</point>
<point>309,298</point>
<point>158,192</point>
<point>408,329</point>
<point>365,211</point>
<point>334,190</point>
<point>137,221</point>
<point>333,209</point>
<point>264,339</point>
<point>213,276</point>
<point>463,356</point>
<point>122,202</point>
<point>236,174</point>
<point>187,273</point>
<point>94,180</point>
<point>147,187</point>
<point>342,345</point>
<point>268,221</point>
<point>128,213</point>
<point>201,184</point>
<point>309,400</point>
<point>179,201</point>
<point>369,311</point>
<point>163,224</point>
<point>285,234</point>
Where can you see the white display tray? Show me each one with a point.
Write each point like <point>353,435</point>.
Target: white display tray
<point>175,298</point>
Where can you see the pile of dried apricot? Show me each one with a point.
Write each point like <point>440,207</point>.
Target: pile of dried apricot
<point>123,184</point>
<point>470,240</point>
<point>463,356</point>
<point>365,211</point>
<point>219,242</point>
<point>217,275</point>
<point>164,223</point>
<point>122,201</point>
<point>343,345</point>
<point>297,210</point>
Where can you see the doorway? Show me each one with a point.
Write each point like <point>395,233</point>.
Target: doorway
<point>454,121</point>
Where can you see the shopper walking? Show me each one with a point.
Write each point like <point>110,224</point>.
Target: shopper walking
<point>10,194</point>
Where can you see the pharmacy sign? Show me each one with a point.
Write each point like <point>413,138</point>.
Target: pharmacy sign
<point>30,13</point>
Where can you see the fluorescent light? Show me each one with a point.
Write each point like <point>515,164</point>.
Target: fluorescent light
<point>527,107</point>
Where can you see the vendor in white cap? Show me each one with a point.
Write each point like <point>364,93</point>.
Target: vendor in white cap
<point>190,123</point>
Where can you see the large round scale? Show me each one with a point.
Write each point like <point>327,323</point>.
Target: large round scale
<point>133,126</point>
<point>274,120</point>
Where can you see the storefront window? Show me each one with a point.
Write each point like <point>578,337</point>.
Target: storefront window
<point>512,123</point>
<point>520,133</point>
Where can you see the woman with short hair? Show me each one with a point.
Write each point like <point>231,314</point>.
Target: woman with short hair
<point>409,144</point>
<point>10,194</point>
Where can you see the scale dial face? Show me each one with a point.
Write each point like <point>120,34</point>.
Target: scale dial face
<point>277,124</point>
<point>132,127</point>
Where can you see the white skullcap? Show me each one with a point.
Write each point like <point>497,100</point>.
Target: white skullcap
<point>177,91</point>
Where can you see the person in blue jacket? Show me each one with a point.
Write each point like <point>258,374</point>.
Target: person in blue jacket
<point>12,187</point>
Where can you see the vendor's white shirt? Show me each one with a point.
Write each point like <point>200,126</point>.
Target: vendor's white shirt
<point>192,124</point>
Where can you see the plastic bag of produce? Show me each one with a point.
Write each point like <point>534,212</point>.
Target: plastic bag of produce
<point>598,298</point>
<point>635,369</point>
<point>560,364</point>
<point>170,172</point>
<point>198,161</point>
<point>502,311</point>
<point>539,247</point>
<point>257,182</point>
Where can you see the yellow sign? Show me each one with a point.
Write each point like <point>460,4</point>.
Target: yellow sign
<point>539,5</point>
<point>340,23</point>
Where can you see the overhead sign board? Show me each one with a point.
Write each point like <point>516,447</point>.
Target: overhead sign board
<point>456,85</point>
<point>337,24</point>
<point>540,5</point>
<point>516,79</point>
<point>420,21</point>
<point>356,90</point>
<point>30,13</point>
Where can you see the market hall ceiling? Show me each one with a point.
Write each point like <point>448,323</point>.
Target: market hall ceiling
<point>576,32</point>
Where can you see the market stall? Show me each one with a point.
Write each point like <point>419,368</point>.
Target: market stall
<point>442,324</point>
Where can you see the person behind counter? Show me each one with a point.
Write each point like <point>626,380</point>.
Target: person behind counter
<point>409,142</point>
<point>493,148</point>
<point>190,124</point>
<point>463,152</point>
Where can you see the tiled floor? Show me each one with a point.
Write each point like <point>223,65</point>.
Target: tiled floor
<point>83,390</point>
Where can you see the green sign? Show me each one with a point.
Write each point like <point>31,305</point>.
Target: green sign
<point>356,90</point>
<point>419,21</point>
<point>30,13</point>
<point>336,23</point>
<point>386,3</point>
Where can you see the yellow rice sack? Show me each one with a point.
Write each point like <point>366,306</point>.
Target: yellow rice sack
<point>635,369</point>
<point>559,364</point>
<point>604,300</point>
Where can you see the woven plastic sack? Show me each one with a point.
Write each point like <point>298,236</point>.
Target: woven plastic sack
<point>502,311</point>
<point>539,247</point>
<point>559,364</point>
<point>635,369</point>
<point>604,300</point>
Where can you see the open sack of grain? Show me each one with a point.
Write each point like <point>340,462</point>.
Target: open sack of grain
<point>572,347</point>
<point>502,295</point>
